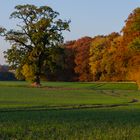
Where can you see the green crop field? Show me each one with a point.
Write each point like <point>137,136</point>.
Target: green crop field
<point>69,111</point>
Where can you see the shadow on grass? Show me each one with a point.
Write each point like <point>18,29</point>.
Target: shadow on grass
<point>118,116</point>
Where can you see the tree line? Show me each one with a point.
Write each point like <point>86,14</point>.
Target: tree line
<point>113,57</point>
<point>5,74</point>
<point>38,50</point>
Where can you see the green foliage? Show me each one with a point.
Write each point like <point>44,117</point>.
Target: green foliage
<point>135,44</point>
<point>136,19</point>
<point>55,65</point>
<point>38,30</point>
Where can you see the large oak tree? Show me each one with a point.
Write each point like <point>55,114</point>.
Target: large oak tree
<point>39,28</point>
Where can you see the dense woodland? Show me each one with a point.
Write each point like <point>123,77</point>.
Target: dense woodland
<point>113,57</point>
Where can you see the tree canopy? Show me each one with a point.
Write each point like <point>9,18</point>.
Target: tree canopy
<point>39,29</point>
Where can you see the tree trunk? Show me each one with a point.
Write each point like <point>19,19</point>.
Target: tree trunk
<point>36,82</point>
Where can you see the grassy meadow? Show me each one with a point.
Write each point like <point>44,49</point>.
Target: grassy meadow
<point>69,111</point>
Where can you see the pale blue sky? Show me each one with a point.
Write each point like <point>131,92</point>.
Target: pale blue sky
<point>88,17</point>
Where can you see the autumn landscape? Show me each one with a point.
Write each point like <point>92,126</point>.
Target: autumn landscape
<point>80,89</point>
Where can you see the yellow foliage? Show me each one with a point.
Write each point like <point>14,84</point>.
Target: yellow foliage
<point>134,75</point>
<point>28,72</point>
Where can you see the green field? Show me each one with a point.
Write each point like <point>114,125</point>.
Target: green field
<point>69,111</point>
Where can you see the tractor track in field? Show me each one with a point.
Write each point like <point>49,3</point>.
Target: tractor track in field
<point>67,107</point>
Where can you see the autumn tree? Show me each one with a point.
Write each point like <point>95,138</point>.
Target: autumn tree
<point>133,69</point>
<point>82,67</point>
<point>39,29</point>
<point>131,40</point>
<point>97,49</point>
<point>113,60</point>
<point>101,64</point>
<point>131,30</point>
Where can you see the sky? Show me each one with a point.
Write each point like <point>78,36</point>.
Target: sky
<point>88,17</point>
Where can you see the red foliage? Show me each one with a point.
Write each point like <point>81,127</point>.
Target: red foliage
<point>82,58</point>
